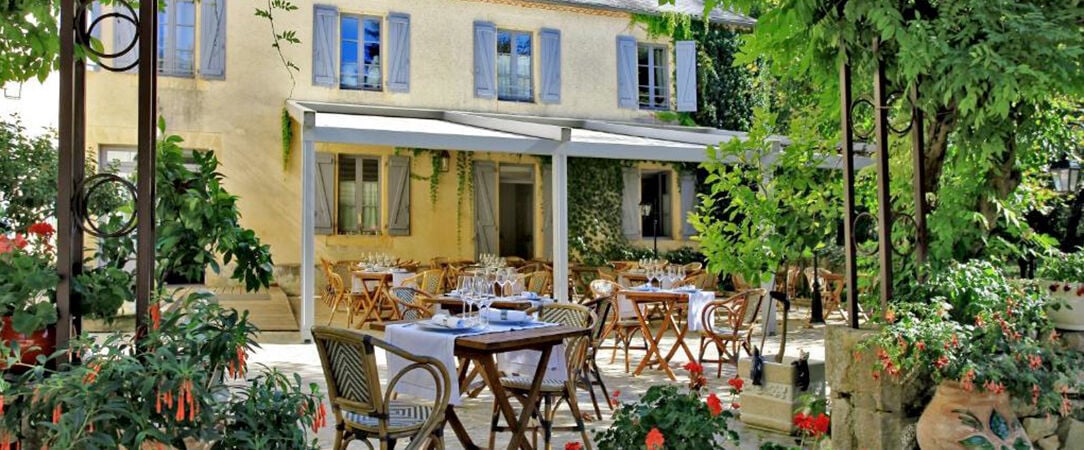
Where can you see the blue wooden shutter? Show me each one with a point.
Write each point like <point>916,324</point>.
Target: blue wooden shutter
<point>627,82</point>
<point>124,34</point>
<point>398,52</point>
<point>686,75</point>
<point>399,196</point>
<point>550,91</point>
<point>687,184</point>
<point>212,39</point>
<point>485,207</point>
<point>485,60</point>
<point>325,192</point>
<point>325,32</point>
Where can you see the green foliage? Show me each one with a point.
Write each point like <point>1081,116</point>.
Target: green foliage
<point>165,390</point>
<point>29,47</point>
<point>199,220</point>
<point>594,208</point>
<point>683,418</point>
<point>967,323</point>
<point>287,137</point>
<point>727,92</point>
<point>768,204</point>
<point>1064,267</point>
<point>990,90</point>
<point>464,184</point>
<point>434,175</point>
<point>28,281</point>
<point>27,176</point>
<point>279,39</point>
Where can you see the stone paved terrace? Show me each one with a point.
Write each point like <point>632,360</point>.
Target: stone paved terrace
<point>475,413</point>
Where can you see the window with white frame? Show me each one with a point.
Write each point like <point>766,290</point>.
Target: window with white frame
<point>177,38</point>
<point>359,64</point>
<point>654,90</point>
<point>359,195</point>
<point>121,160</point>
<point>514,66</point>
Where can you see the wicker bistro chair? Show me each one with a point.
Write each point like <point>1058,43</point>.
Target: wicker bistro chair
<point>408,301</point>
<point>553,391</point>
<point>623,329</point>
<point>334,292</point>
<point>591,375</point>
<point>728,325</point>
<point>361,409</point>
<point>539,281</point>
<point>429,281</point>
<point>831,285</point>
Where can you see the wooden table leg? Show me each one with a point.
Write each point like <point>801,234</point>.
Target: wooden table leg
<point>681,331</point>
<point>460,431</point>
<point>504,404</point>
<point>532,398</point>
<point>653,343</point>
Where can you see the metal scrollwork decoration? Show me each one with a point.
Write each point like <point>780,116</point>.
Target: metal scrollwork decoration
<point>856,107</point>
<point>858,225</point>
<point>83,199</point>
<point>892,99</point>
<point>122,13</point>
<point>907,247</point>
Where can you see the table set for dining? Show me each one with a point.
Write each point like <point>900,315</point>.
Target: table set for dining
<point>497,341</point>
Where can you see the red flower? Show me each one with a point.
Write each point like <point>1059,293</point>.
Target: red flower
<point>1035,361</point>
<point>735,405</point>
<point>737,383</point>
<point>1080,291</point>
<point>20,241</point>
<point>41,229</point>
<point>920,345</point>
<point>654,439</point>
<point>694,367</point>
<point>979,322</point>
<point>714,405</point>
<point>1067,288</point>
<point>5,244</point>
<point>996,388</point>
<point>802,421</point>
<point>573,446</point>
<point>1054,287</point>
<point>966,382</point>
<point>820,425</point>
<point>941,362</point>
<point>614,398</point>
<point>1034,394</point>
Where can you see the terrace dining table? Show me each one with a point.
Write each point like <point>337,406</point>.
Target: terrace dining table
<point>454,305</point>
<point>482,350</point>
<point>670,304</point>
<point>372,295</point>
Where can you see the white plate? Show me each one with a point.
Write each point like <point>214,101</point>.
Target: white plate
<point>427,325</point>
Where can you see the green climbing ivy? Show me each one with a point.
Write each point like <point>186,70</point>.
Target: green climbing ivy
<point>287,137</point>
<point>594,208</point>
<point>727,93</point>
<point>434,175</point>
<point>464,185</point>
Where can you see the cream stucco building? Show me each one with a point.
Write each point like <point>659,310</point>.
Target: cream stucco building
<point>463,70</point>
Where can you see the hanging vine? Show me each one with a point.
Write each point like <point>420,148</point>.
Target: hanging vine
<point>278,39</point>
<point>464,184</point>
<point>434,175</point>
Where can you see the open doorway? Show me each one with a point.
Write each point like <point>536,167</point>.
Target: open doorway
<point>655,191</point>
<point>516,222</point>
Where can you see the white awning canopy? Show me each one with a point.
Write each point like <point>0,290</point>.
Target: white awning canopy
<point>558,138</point>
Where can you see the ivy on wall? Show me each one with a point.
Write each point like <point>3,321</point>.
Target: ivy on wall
<point>594,208</point>
<point>727,93</point>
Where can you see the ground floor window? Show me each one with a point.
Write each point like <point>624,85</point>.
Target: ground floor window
<point>359,195</point>
<point>655,201</point>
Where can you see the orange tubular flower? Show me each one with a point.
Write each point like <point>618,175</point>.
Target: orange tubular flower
<point>56,414</point>
<point>156,316</point>
<point>654,439</point>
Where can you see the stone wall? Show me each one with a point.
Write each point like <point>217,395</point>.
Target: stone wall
<point>869,413</point>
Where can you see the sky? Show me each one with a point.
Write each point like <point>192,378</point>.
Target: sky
<point>36,103</point>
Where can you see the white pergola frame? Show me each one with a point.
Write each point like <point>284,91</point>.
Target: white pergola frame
<point>557,138</point>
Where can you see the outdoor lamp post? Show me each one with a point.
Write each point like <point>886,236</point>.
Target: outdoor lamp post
<point>1066,175</point>
<point>645,211</point>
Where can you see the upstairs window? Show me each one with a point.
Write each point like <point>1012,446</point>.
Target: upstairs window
<point>514,68</point>
<point>177,38</point>
<point>654,90</point>
<point>359,65</point>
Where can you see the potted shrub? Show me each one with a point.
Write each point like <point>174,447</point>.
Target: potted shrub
<point>983,341</point>
<point>672,417</point>
<point>1061,277</point>
<point>28,282</point>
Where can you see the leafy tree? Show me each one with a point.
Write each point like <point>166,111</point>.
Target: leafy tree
<point>27,176</point>
<point>990,76</point>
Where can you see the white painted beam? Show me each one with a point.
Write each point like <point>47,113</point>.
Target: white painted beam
<point>308,231</point>
<point>559,203</point>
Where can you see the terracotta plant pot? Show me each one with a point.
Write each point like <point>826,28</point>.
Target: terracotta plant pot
<point>30,346</point>
<point>957,419</point>
<point>1066,318</point>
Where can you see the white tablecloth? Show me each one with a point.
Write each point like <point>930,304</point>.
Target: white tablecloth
<point>697,301</point>
<point>441,345</point>
<point>397,279</point>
